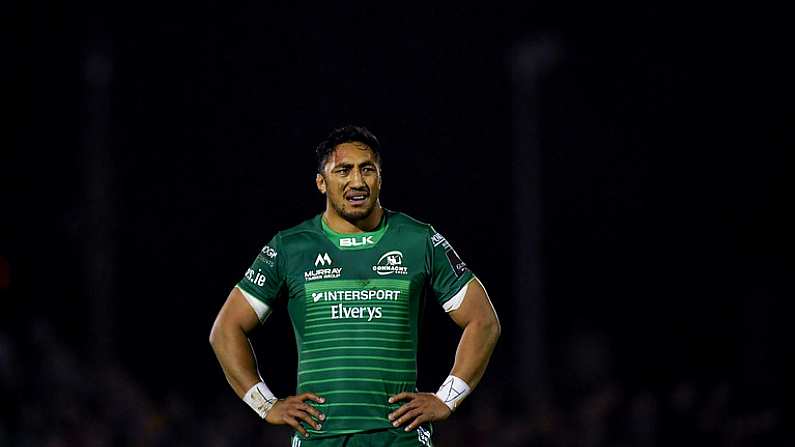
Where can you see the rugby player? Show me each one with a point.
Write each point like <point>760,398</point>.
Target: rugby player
<point>354,279</point>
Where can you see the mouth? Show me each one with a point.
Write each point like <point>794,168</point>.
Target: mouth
<point>357,198</point>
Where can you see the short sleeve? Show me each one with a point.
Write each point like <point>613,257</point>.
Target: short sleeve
<point>449,274</point>
<point>265,278</point>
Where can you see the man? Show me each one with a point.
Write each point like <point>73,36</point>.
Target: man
<point>354,278</point>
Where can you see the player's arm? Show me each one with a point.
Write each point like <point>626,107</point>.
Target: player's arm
<point>230,342</point>
<point>481,329</point>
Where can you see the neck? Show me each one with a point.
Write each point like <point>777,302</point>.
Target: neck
<point>342,225</point>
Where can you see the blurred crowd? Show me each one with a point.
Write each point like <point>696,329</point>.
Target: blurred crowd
<point>612,416</point>
<point>52,398</point>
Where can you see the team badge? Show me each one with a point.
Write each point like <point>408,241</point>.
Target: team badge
<point>391,263</point>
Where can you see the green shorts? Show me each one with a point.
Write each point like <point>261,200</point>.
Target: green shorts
<point>421,437</point>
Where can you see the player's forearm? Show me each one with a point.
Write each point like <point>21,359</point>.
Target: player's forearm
<point>234,353</point>
<point>474,350</point>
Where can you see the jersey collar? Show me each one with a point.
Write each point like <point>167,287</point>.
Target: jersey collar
<point>356,241</point>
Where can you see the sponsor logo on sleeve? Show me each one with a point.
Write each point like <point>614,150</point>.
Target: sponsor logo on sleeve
<point>267,255</point>
<point>459,266</point>
<point>269,252</point>
<point>257,278</point>
<point>437,239</point>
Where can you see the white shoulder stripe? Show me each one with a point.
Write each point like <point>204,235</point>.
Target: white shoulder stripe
<point>455,302</point>
<point>261,309</point>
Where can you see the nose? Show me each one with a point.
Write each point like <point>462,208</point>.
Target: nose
<point>356,179</point>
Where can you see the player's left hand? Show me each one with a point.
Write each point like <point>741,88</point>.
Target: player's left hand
<point>420,408</point>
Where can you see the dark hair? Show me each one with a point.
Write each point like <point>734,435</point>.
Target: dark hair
<point>346,134</point>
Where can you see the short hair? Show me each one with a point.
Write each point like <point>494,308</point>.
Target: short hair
<point>346,134</point>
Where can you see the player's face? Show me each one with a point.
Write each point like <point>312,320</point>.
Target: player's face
<point>351,181</point>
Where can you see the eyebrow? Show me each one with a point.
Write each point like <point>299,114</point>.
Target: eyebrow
<point>350,165</point>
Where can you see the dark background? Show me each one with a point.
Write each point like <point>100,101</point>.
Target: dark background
<point>151,150</point>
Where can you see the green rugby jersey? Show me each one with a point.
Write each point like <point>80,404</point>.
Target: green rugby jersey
<point>355,304</point>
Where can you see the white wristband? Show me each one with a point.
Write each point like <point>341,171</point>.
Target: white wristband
<point>260,399</point>
<point>453,391</point>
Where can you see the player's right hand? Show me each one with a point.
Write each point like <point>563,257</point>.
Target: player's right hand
<point>292,410</point>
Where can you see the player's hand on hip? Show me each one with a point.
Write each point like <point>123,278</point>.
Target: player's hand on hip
<point>419,408</point>
<point>292,410</point>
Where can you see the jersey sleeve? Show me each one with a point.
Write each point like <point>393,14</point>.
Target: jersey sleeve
<point>265,279</point>
<point>449,274</point>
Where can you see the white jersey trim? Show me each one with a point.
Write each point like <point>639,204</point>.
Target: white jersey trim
<point>455,301</point>
<point>261,309</point>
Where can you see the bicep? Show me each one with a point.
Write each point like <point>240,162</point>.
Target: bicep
<point>476,306</point>
<point>237,312</point>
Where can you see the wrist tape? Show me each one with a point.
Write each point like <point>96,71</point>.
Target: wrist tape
<point>260,399</point>
<point>453,391</point>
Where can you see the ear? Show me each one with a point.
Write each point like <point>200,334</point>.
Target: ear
<point>321,183</point>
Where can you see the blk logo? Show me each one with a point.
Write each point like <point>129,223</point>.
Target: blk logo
<point>323,259</point>
<point>356,242</point>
